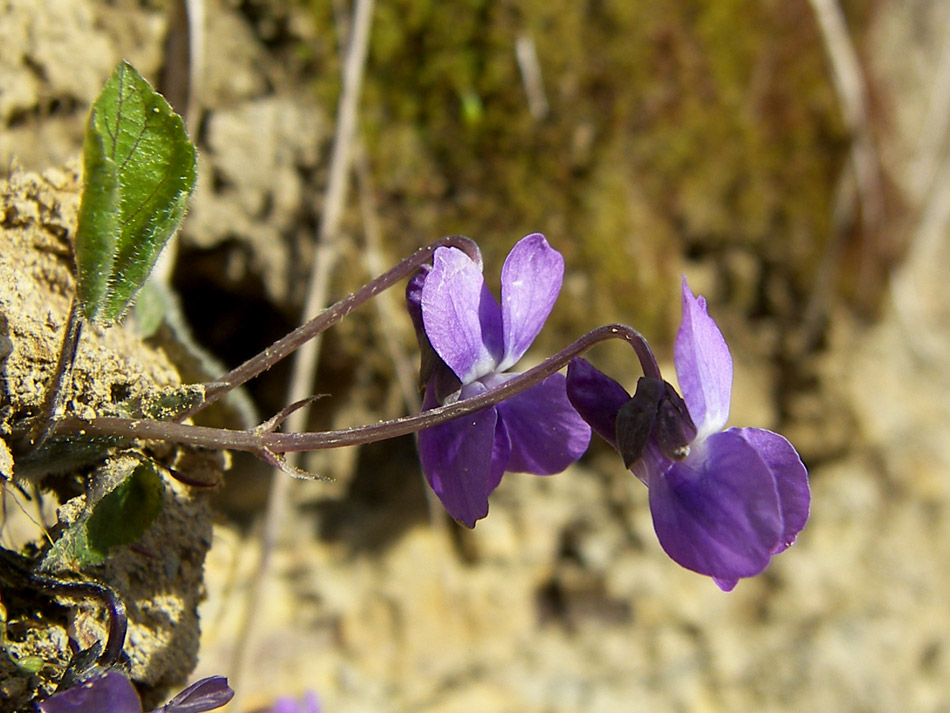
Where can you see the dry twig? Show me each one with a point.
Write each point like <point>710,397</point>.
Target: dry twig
<point>851,88</point>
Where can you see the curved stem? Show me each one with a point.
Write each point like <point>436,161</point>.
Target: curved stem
<point>290,343</point>
<point>58,386</point>
<point>285,442</point>
<point>113,604</point>
<point>261,441</point>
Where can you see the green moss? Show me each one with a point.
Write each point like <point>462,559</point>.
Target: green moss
<point>683,127</point>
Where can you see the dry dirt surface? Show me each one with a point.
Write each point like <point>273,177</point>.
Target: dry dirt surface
<point>161,579</point>
<point>561,601</point>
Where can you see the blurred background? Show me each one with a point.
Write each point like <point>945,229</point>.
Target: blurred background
<point>788,156</point>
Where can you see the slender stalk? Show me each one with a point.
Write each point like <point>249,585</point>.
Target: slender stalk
<point>118,622</point>
<point>286,442</point>
<point>290,343</point>
<point>262,441</point>
<point>58,385</point>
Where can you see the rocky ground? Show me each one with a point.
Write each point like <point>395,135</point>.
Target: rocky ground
<point>673,142</point>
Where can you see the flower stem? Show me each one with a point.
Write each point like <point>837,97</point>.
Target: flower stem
<point>285,442</point>
<point>57,388</point>
<point>263,442</point>
<point>290,343</point>
<point>117,617</point>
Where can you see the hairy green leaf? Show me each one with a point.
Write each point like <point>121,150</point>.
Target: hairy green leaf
<point>139,170</point>
<point>120,517</point>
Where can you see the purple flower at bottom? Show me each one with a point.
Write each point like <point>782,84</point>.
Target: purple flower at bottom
<point>204,695</point>
<point>469,342</point>
<point>113,692</point>
<point>723,501</point>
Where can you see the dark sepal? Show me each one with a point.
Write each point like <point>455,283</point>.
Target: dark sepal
<point>656,411</point>
<point>674,429</point>
<point>636,419</point>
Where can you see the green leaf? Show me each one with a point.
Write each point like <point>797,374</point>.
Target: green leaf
<point>150,308</point>
<point>120,517</point>
<point>139,170</point>
<point>123,516</point>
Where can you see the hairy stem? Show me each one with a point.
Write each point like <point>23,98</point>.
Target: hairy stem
<point>58,385</point>
<point>289,344</point>
<point>262,441</point>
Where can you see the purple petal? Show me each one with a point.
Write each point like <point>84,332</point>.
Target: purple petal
<point>311,704</point>
<point>596,397</point>
<point>717,512</point>
<point>111,692</point>
<point>429,361</point>
<point>652,464</point>
<point>545,432</point>
<point>462,319</point>
<point>530,283</point>
<point>703,366</point>
<point>726,585</point>
<point>204,695</point>
<point>790,477</point>
<point>414,296</point>
<point>464,459</point>
<point>414,290</point>
<point>285,704</point>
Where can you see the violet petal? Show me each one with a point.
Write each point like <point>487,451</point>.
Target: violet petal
<point>791,477</point>
<point>414,296</point>
<point>717,512</point>
<point>726,585</point>
<point>545,432</point>
<point>311,704</point>
<point>464,459</point>
<point>111,692</point>
<point>596,397</point>
<point>462,319</point>
<point>285,704</point>
<point>204,695</point>
<point>530,282</point>
<point>652,462</point>
<point>703,366</point>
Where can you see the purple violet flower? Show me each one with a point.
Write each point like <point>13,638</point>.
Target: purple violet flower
<point>113,692</point>
<point>469,342</point>
<point>204,695</point>
<point>723,501</point>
